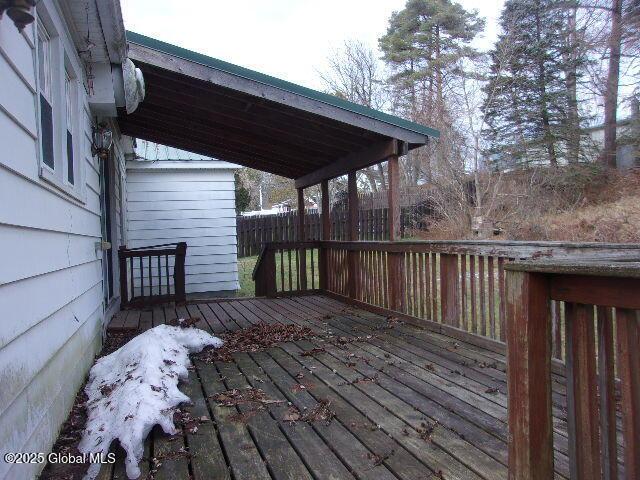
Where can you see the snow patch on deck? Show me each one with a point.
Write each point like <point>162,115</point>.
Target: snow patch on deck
<point>135,388</point>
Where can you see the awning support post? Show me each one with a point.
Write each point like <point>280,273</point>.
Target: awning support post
<point>352,256</point>
<point>302,253</point>
<point>395,260</point>
<point>325,234</point>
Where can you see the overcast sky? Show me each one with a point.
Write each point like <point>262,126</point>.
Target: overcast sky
<point>290,39</point>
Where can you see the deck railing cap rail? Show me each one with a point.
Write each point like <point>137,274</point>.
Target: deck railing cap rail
<point>628,268</point>
<point>532,243</point>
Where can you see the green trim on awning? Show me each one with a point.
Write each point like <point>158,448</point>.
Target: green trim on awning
<point>278,83</point>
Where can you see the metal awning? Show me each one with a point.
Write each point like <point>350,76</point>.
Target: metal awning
<point>208,106</point>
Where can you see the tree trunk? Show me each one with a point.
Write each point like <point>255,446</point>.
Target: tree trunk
<point>439,100</point>
<point>544,109</point>
<point>371,178</point>
<point>383,182</point>
<point>573,121</point>
<point>608,156</point>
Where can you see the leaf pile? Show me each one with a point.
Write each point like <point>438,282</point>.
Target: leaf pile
<point>234,397</point>
<point>321,412</point>
<point>115,340</point>
<point>184,322</point>
<point>255,339</point>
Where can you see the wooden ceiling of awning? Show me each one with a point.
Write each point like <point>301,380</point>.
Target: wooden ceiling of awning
<point>203,105</point>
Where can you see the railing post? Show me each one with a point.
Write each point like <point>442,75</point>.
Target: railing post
<point>325,216</point>
<point>302,253</point>
<point>395,263</point>
<point>628,323</point>
<point>265,275</point>
<point>179,273</point>
<point>352,255</point>
<point>449,289</point>
<point>529,376</point>
<point>124,288</point>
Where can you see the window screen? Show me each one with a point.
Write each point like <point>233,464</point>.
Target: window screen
<point>68,93</point>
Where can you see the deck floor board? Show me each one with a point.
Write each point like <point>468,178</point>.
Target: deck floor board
<point>409,403</point>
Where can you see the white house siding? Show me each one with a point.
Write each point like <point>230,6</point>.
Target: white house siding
<point>51,292</point>
<point>191,202</point>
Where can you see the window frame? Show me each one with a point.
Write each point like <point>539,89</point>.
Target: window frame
<point>64,95</point>
<point>45,89</point>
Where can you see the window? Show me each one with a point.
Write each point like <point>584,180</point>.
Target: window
<point>46,103</point>
<point>59,104</point>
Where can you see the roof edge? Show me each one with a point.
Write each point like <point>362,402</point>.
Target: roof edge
<point>146,165</point>
<point>275,82</point>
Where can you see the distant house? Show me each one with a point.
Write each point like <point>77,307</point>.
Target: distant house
<point>627,155</point>
<point>275,209</point>
<point>178,196</point>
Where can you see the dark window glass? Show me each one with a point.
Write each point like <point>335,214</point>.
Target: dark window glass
<point>46,132</point>
<point>69,157</point>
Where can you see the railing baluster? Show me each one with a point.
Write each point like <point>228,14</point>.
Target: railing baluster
<point>435,316</point>
<point>463,292</point>
<point>501,299</point>
<point>606,390</point>
<point>491,291</point>
<point>159,277</point>
<point>556,330</point>
<point>427,287</point>
<point>482,293</point>
<point>313,270</point>
<point>582,400</point>
<point>166,263</point>
<point>133,284</point>
<point>141,276</point>
<point>290,270</point>
<point>472,288</point>
<point>628,337</point>
<point>418,290</point>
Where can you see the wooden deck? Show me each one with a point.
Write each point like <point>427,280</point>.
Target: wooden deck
<point>408,403</point>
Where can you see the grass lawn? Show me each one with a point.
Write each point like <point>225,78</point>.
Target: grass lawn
<point>245,270</point>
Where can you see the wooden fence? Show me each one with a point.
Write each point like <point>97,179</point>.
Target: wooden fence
<point>373,224</point>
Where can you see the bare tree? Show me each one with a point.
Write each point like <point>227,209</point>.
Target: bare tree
<point>354,74</point>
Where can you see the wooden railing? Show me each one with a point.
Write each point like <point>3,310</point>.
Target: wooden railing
<point>455,285</point>
<point>287,268</point>
<point>146,276</point>
<point>602,334</point>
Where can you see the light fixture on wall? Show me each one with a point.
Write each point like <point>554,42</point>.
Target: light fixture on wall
<point>101,141</point>
<point>20,11</point>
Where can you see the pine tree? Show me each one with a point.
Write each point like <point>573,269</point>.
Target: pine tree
<point>424,46</point>
<point>527,97</point>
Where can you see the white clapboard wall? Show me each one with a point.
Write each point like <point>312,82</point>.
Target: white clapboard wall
<point>189,201</point>
<point>51,290</point>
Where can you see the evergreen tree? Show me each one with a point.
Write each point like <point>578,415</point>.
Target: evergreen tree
<point>424,46</point>
<point>243,197</point>
<point>531,105</point>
